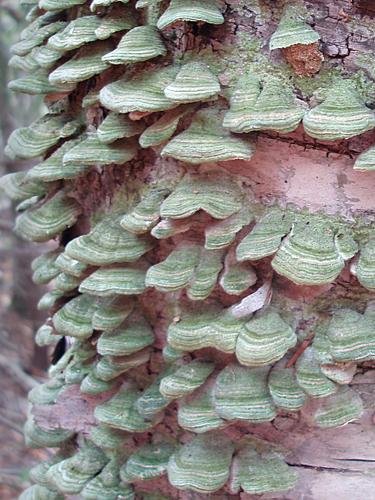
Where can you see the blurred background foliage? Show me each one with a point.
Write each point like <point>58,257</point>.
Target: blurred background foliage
<point>22,365</point>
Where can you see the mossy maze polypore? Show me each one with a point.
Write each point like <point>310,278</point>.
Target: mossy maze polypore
<point>169,283</point>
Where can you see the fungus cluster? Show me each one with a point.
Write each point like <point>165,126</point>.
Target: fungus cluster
<point>198,242</point>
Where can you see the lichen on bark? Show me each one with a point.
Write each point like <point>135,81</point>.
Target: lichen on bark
<point>210,234</point>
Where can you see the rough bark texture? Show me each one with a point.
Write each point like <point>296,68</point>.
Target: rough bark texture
<point>287,170</point>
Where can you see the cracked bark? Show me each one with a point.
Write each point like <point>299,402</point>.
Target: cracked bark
<point>292,169</point>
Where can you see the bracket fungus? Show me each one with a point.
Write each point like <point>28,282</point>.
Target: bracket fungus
<point>163,129</point>
<point>259,469</point>
<point>38,138</point>
<point>145,215</point>
<point>120,412</point>
<point>298,41</point>
<point>285,391</point>
<point>168,271</point>
<point>350,336</point>
<point>218,195</point>
<point>311,378</point>
<point>108,243</point>
<point>137,45</point>
<point>309,255</point>
<point>193,83</point>
<point>196,413</point>
<point>143,93</point>
<point>342,114</point>
<point>50,219</point>
<point>265,238</point>
<point>338,409</point>
<point>365,268</point>
<point>116,126</point>
<point>148,462</point>
<point>218,329</point>
<point>207,141</point>
<point>202,464</point>
<point>206,11</point>
<point>241,393</point>
<point>132,336</point>
<point>109,281</point>
<point>92,152</point>
<point>264,339</point>
<point>185,379</point>
<point>267,105</point>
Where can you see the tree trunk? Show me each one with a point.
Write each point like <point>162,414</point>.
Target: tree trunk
<point>234,236</point>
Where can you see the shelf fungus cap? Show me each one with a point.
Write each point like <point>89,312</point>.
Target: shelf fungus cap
<point>107,485</point>
<point>70,475</point>
<point>116,126</point>
<point>132,336</point>
<point>86,63</point>
<point>58,5</point>
<point>339,409</point>
<point>44,267</point>
<point>222,233</point>
<point>142,93</point>
<point>119,18</point>
<point>284,389</point>
<point>93,385</point>
<point>108,281</point>
<point>260,470</point>
<point>342,114</point>
<point>350,336</point>
<point>52,168</point>
<point>145,215</point>
<point>206,11</point>
<point>365,268</point>
<point>205,275</point>
<point>139,44</point>
<point>74,318</point>
<point>50,219</point>
<point>38,138</point>
<point>216,194</point>
<point>264,339</point>
<point>201,465</point>
<point>148,462</point>
<point>104,3</point>
<point>194,82</point>
<point>77,33</point>
<point>110,367</point>
<point>45,336</point>
<point>37,84</point>
<point>152,402</point>
<point>176,271</point>
<point>217,328</point>
<point>366,160</point>
<point>237,277</point>
<point>265,238</point>
<point>108,243</point>
<point>196,413</point>
<point>17,187</point>
<point>308,255</point>
<point>293,30</point>
<point>311,378</point>
<point>110,313</point>
<point>35,35</point>
<point>71,266</point>
<point>186,379</point>
<point>268,105</point>
<point>241,393</point>
<point>120,412</point>
<point>92,152</point>
<point>38,437</point>
<point>207,141</point>
<point>36,492</point>
<point>163,129</point>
